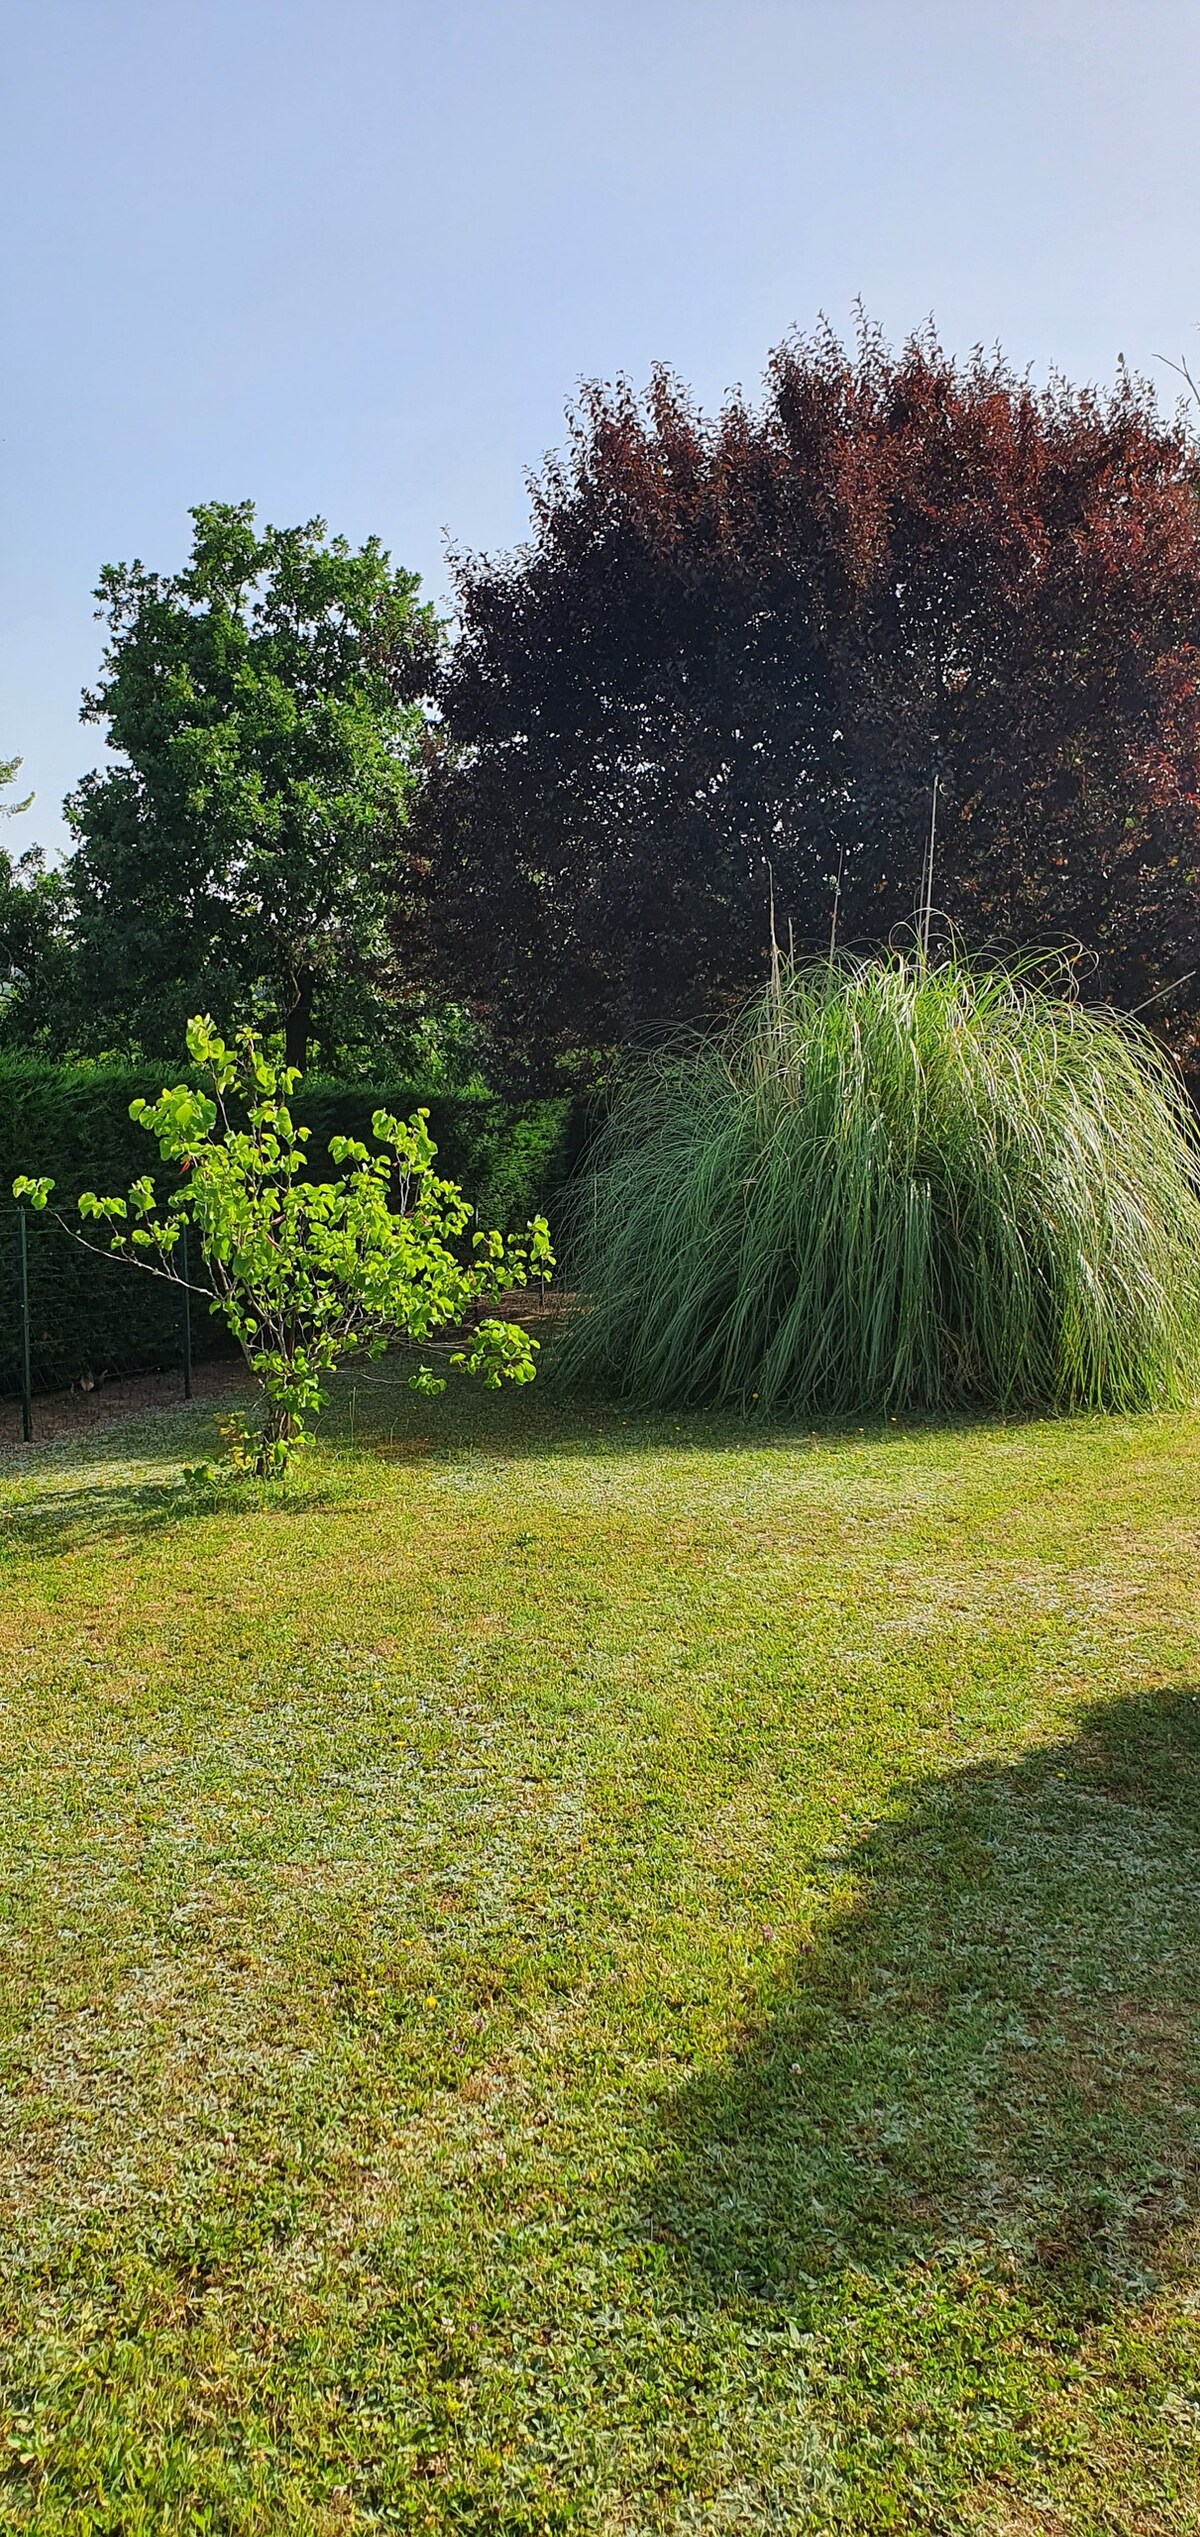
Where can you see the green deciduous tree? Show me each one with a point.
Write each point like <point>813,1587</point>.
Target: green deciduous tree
<point>247,849</point>
<point>35,960</point>
<point>305,1273</point>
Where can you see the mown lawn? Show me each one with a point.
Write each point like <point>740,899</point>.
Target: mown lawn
<point>569,1974</point>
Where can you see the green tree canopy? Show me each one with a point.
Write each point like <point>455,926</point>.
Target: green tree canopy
<point>34,955</point>
<point>246,851</point>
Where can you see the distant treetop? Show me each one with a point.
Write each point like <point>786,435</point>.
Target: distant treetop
<point>742,644</point>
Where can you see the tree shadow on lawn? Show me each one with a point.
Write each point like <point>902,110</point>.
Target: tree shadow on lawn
<point>61,1521</point>
<point>994,2053</point>
<point>374,1417</point>
<point>376,1413</point>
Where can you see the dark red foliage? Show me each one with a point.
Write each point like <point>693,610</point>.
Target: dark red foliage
<point>748,641</point>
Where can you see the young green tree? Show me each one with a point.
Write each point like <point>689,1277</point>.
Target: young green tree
<point>247,850</point>
<point>306,1274</point>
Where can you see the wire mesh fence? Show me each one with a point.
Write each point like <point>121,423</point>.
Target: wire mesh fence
<point>72,1318</point>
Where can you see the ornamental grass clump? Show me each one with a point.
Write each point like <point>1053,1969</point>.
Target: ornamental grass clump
<point>897,1184</point>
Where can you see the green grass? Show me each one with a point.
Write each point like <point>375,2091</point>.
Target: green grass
<point>579,1974</point>
<point>894,1185</point>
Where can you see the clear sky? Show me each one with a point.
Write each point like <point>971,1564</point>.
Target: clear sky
<point>350,257</point>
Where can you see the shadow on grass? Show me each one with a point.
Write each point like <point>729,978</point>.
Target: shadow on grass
<point>376,1412</point>
<point>374,1417</point>
<point>995,2050</point>
<point>66,1520</point>
<point>373,1413</point>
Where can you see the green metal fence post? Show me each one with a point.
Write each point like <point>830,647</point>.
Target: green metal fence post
<point>187,1320</point>
<point>26,1371</point>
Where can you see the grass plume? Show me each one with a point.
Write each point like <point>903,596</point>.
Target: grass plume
<point>895,1184</point>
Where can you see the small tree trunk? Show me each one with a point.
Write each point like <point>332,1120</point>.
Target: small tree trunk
<point>298,1024</point>
<point>275,1442</point>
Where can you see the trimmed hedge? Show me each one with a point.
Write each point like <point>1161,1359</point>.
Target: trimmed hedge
<point>99,1317</point>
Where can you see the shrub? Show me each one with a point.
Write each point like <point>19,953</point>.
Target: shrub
<point>895,1185</point>
<point>92,1317</point>
<point>306,1274</point>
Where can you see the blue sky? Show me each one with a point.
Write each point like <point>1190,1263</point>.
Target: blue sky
<point>350,257</point>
